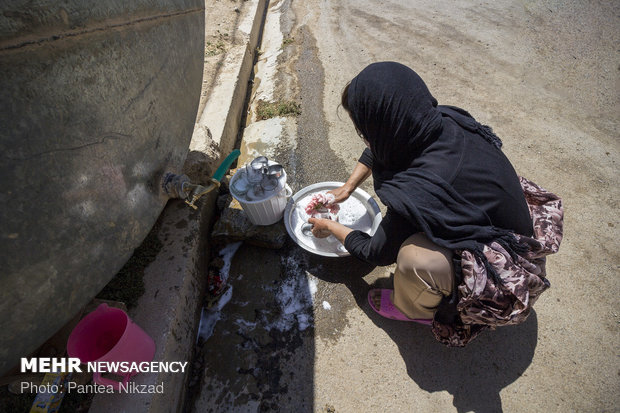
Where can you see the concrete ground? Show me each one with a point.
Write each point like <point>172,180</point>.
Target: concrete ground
<point>298,334</point>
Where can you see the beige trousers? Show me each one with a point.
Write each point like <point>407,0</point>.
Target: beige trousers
<point>424,274</point>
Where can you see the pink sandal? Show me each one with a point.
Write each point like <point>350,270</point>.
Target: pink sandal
<point>388,310</point>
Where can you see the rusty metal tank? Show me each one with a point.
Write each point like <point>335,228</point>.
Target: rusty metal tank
<point>98,101</point>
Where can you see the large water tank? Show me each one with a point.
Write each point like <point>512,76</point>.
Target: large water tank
<point>99,99</point>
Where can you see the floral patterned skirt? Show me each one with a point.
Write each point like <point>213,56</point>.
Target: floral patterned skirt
<point>483,303</point>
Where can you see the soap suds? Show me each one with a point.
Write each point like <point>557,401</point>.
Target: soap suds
<point>353,214</point>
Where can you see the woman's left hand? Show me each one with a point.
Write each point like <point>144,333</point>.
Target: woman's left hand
<point>320,227</point>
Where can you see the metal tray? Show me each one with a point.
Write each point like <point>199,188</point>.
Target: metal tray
<point>360,211</point>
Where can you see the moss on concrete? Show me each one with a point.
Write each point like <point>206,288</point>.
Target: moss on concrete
<point>267,110</point>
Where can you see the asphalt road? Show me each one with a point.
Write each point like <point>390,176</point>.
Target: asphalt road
<point>545,76</point>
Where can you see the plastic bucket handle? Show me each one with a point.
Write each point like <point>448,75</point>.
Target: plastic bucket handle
<point>287,191</point>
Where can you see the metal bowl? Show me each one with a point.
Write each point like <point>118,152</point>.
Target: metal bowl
<point>360,201</point>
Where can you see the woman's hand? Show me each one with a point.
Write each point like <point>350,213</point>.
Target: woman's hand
<point>323,228</point>
<point>320,227</point>
<point>341,194</point>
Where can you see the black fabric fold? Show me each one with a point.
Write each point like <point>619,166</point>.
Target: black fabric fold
<point>467,122</point>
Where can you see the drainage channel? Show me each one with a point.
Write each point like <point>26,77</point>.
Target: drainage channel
<point>264,314</point>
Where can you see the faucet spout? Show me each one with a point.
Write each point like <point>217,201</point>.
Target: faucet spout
<point>197,191</point>
<point>179,186</point>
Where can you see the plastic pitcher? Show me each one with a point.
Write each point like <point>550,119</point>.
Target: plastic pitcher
<point>108,334</point>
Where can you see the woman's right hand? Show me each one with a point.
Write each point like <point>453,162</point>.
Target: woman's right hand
<point>341,194</point>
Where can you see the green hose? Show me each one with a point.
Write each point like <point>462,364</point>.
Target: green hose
<point>225,165</point>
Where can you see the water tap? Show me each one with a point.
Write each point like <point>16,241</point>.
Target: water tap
<point>179,186</point>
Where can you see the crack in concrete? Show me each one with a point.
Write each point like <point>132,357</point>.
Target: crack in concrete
<point>139,95</point>
<point>108,136</point>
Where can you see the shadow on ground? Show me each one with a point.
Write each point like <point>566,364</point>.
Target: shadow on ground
<point>474,375</point>
<point>261,354</point>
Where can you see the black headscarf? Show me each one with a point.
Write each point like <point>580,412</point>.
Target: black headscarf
<point>398,116</point>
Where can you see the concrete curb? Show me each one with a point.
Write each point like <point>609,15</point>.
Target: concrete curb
<point>175,282</point>
<point>224,109</point>
<point>169,307</point>
<point>218,121</point>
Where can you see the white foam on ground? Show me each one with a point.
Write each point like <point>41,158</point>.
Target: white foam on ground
<point>326,305</point>
<point>304,321</point>
<point>294,297</point>
<point>312,284</point>
<point>227,254</point>
<point>245,325</point>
